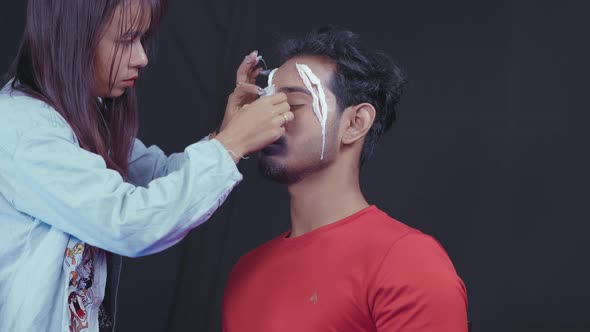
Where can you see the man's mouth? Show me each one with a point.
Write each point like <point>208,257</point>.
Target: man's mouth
<point>276,148</point>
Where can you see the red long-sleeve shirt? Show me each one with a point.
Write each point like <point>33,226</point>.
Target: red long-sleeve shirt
<point>367,272</point>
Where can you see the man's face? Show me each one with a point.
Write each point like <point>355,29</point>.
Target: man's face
<point>298,153</point>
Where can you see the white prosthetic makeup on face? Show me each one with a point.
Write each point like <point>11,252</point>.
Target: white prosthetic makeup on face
<point>316,89</point>
<point>310,142</point>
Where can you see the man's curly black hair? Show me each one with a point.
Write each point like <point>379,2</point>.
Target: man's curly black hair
<point>361,75</point>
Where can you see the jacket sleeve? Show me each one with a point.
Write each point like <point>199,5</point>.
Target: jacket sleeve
<point>49,177</point>
<point>149,163</point>
<point>417,289</point>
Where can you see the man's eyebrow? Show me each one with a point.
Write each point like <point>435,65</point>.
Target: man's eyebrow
<point>291,89</point>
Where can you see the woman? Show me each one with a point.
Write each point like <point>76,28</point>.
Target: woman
<point>75,184</point>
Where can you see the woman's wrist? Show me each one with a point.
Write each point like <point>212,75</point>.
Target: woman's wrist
<point>234,149</point>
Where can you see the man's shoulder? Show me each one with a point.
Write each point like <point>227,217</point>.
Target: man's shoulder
<point>394,244</point>
<point>259,253</point>
<point>402,240</point>
<point>379,229</point>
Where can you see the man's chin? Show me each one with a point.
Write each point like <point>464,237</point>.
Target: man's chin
<point>274,170</point>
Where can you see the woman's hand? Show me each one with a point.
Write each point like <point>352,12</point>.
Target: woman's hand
<point>252,122</point>
<point>256,125</point>
<point>246,91</point>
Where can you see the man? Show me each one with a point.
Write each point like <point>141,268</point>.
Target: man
<point>344,265</point>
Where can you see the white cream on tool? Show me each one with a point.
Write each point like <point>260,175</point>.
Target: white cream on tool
<point>270,88</point>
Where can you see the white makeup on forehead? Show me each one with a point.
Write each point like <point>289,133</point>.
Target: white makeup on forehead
<point>320,106</point>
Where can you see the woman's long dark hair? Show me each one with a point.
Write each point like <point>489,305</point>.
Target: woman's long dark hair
<point>55,63</point>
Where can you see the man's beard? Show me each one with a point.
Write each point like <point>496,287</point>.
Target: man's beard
<point>272,165</point>
<point>277,172</point>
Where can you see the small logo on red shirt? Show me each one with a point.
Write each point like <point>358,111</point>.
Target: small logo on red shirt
<point>314,298</point>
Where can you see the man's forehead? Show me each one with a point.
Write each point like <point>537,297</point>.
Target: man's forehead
<point>322,68</point>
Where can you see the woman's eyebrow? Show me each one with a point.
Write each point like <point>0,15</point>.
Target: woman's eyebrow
<point>134,32</point>
<point>131,34</point>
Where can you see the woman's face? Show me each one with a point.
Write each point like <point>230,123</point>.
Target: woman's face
<point>120,53</point>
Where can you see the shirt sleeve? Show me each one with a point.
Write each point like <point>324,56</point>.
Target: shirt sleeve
<point>417,289</point>
<point>53,180</point>
<point>149,163</point>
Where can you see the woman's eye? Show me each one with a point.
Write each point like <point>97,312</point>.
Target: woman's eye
<point>130,41</point>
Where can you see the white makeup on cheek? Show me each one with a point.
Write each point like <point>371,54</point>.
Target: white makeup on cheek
<point>320,106</point>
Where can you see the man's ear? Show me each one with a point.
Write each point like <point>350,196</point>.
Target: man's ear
<point>359,119</point>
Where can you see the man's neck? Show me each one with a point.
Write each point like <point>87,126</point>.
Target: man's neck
<point>323,198</point>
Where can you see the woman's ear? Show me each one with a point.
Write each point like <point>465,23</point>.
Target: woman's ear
<point>359,119</point>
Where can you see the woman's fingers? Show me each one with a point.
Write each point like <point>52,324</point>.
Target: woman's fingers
<point>253,75</point>
<point>283,119</point>
<point>245,68</point>
<point>275,99</point>
<point>247,89</point>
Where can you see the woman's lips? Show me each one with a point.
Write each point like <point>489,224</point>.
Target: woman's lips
<point>130,82</point>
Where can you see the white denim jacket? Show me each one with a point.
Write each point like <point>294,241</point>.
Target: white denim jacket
<point>60,203</point>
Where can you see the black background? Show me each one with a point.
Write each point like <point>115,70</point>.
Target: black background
<point>489,155</point>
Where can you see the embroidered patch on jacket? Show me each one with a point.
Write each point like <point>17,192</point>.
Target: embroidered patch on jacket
<point>79,262</point>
